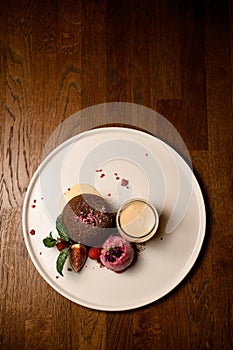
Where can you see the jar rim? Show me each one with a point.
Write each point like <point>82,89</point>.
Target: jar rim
<point>148,234</point>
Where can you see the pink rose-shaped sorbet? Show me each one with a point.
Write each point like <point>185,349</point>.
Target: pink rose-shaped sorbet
<point>117,253</point>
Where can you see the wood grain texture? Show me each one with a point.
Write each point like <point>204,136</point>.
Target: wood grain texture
<point>58,57</point>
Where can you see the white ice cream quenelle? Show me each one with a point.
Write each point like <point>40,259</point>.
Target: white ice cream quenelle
<point>76,190</point>
<point>79,189</point>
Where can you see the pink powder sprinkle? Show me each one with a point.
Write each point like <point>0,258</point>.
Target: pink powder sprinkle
<point>33,206</point>
<point>124,182</point>
<point>32,232</point>
<point>102,175</point>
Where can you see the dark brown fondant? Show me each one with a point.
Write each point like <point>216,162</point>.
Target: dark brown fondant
<point>89,220</point>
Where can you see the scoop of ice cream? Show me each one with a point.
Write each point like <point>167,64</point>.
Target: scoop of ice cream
<point>117,253</point>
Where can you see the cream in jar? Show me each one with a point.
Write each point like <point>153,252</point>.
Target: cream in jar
<point>137,220</point>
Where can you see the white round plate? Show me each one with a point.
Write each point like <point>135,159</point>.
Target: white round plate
<point>153,171</point>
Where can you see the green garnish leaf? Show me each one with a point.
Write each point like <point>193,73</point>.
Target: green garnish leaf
<point>62,259</point>
<point>49,241</point>
<point>61,228</point>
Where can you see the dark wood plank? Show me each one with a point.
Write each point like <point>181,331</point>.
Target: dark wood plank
<point>219,80</point>
<point>118,51</point>
<point>93,58</point>
<point>12,269</point>
<point>189,73</point>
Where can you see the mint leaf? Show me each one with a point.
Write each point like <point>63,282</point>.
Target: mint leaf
<point>61,228</point>
<point>49,241</point>
<point>62,259</point>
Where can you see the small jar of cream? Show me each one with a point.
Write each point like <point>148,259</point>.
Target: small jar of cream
<point>137,220</point>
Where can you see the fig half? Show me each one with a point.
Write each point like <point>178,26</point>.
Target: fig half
<point>78,256</point>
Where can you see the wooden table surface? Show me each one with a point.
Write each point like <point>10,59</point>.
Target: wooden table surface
<point>59,57</point>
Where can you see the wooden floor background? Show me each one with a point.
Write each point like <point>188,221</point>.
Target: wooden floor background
<point>58,57</point>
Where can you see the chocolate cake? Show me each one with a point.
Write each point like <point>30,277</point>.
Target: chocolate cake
<point>89,220</point>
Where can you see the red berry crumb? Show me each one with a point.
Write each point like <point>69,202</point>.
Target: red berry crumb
<point>102,175</point>
<point>33,206</point>
<point>117,178</point>
<point>32,232</point>
<point>109,194</point>
<point>94,253</point>
<point>124,182</point>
